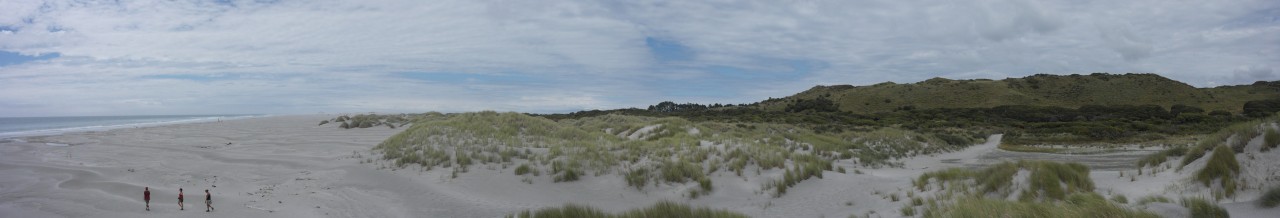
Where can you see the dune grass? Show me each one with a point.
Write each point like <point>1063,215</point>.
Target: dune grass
<point>1236,136</point>
<point>1223,168</point>
<point>1158,158</point>
<point>1047,180</point>
<point>1121,199</point>
<point>661,209</point>
<point>644,149</point>
<point>1051,189</point>
<point>1153,199</point>
<point>1270,139</point>
<point>1201,208</point>
<point>1076,205</point>
<point>1270,199</point>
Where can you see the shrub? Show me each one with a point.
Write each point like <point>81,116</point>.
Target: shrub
<point>1270,199</point>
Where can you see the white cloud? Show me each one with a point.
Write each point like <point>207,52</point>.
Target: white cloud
<point>329,55</point>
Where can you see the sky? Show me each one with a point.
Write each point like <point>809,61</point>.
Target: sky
<point>145,57</point>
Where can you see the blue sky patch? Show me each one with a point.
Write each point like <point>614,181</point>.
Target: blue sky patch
<point>192,77</point>
<point>668,50</point>
<point>11,58</point>
<point>507,78</point>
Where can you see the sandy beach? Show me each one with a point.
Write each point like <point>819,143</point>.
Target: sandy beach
<point>287,166</point>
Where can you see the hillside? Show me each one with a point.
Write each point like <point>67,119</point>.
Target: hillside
<point>1070,91</point>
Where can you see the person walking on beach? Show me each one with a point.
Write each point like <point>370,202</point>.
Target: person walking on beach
<point>146,197</point>
<point>180,207</point>
<point>208,201</point>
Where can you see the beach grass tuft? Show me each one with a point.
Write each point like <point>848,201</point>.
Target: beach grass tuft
<point>1270,199</point>
<point>660,209</point>
<point>1222,167</point>
<point>1201,208</point>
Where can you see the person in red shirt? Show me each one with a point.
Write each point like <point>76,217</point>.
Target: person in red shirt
<point>180,207</point>
<point>146,197</point>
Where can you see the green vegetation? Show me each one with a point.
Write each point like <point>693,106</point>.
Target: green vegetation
<point>1040,109</point>
<point>523,169</point>
<point>1236,136</point>
<point>372,120</point>
<point>1077,205</point>
<point>1201,208</point>
<point>661,209</point>
<point>1153,199</point>
<point>1051,190</point>
<point>1160,157</point>
<point>1120,199</point>
<point>1270,139</point>
<point>1222,167</point>
<point>1270,199</point>
<point>1048,180</point>
<point>1068,91</point>
<point>645,149</point>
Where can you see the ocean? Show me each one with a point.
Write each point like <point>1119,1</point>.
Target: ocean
<point>35,126</point>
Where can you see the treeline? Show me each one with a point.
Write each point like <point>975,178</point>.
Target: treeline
<point>1022,124</point>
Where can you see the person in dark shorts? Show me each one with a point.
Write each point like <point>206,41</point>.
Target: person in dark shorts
<point>208,201</point>
<point>146,197</point>
<point>180,207</point>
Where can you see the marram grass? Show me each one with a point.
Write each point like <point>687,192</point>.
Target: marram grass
<point>661,209</point>
<point>643,149</point>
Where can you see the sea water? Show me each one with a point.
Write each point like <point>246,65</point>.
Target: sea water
<point>34,126</point>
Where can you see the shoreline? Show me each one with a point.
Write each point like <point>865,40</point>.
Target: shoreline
<point>96,128</point>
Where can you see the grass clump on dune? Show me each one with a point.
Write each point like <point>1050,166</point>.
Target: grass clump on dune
<point>1201,208</point>
<point>1270,139</point>
<point>1160,157</point>
<point>1051,189</point>
<point>1047,181</point>
<point>1076,205</point>
<point>644,149</point>
<point>661,209</point>
<point>1222,167</point>
<point>1270,199</point>
<point>1237,136</point>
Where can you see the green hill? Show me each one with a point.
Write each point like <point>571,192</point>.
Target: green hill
<point>1070,91</point>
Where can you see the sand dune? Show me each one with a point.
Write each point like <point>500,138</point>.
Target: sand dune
<point>287,166</point>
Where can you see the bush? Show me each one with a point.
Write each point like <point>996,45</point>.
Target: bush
<point>1270,199</point>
